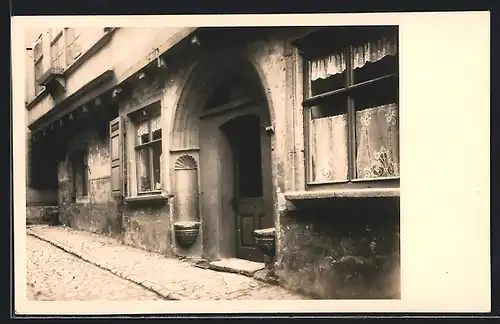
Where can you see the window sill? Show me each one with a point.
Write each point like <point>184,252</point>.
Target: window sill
<point>342,193</point>
<point>147,198</point>
<point>85,55</point>
<point>36,99</point>
<point>82,200</point>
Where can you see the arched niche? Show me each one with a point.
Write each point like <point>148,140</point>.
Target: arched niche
<point>213,71</point>
<point>186,189</point>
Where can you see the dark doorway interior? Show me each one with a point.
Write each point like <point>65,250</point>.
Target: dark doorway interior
<point>244,135</point>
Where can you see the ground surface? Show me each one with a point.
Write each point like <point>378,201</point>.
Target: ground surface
<point>53,274</point>
<point>133,274</point>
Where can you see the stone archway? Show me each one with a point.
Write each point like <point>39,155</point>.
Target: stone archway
<point>193,136</point>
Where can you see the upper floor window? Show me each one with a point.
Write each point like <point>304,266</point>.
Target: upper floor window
<point>64,46</point>
<point>351,105</point>
<point>38,62</point>
<point>73,50</point>
<point>57,59</point>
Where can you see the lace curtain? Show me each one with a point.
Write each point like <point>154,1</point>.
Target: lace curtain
<point>377,142</point>
<point>143,128</point>
<point>329,148</point>
<point>143,169</point>
<point>377,145</point>
<point>361,54</point>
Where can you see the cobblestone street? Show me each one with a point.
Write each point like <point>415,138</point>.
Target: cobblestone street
<point>134,274</point>
<point>57,275</point>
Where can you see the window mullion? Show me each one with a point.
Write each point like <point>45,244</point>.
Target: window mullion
<point>150,152</point>
<point>351,118</point>
<point>65,47</point>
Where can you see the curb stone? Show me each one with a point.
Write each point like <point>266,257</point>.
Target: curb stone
<point>125,272</point>
<point>80,256</point>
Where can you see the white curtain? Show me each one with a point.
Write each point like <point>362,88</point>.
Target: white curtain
<point>143,128</point>
<point>361,54</point>
<point>377,142</point>
<point>373,51</point>
<point>329,148</point>
<point>327,66</point>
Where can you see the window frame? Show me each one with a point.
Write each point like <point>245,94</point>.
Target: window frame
<point>68,60</point>
<point>308,102</point>
<point>57,37</point>
<point>147,113</point>
<point>60,36</point>
<point>38,61</point>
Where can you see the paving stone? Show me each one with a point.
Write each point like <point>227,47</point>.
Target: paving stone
<point>169,277</point>
<point>53,274</point>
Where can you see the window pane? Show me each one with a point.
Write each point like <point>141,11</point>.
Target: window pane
<point>156,128</point>
<point>374,59</point>
<point>143,171</point>
<point>328,150</point>
<point>38,74</point>
<point>73,52</point>
<point>327,74</point>
<point>54,32</point>
<point>157,165</point>
<point>38,50</point>
<point>57,56</point>
<point>377,142</point>
<point>377,130</point>
<point>142,132</point>
<point>70,35</point>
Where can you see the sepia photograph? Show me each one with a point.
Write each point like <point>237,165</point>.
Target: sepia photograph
<point>232,163</point>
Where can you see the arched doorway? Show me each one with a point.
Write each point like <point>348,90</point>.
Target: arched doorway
<point>236,177</point>
<point>221,120</point>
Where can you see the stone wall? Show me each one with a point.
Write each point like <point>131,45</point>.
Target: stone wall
<point>147,226</point>
<point>344,250</point>
<point>99,212</point>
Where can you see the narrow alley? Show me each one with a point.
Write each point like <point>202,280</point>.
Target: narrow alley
<point>54,274</point>
<point>66,264</point>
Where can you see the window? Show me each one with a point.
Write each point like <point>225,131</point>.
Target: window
<point>38,62</point>
<point>148,149</point>
<point>351,105</point>
<point>57,48</point>
<point>73,50</point>
<point>80,174</point>
<point>64,46</point>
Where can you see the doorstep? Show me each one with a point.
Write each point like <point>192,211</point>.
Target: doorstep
<point>234,265</point>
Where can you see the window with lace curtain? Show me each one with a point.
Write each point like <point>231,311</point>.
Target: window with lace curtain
<point>148,149</point>
<point>351,105</point>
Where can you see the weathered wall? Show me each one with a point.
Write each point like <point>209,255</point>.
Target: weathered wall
<point>344,250</point>
<point>147,226</point>
<point>41,215</point>
<point>99,212</point>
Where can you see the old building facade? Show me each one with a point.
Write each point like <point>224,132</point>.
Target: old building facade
<point>204,142</point>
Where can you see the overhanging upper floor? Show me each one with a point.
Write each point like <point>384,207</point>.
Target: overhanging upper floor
<point>110,60</point>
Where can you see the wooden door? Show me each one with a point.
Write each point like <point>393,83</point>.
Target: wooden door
<point>252,180</point>
<point>235,165</point>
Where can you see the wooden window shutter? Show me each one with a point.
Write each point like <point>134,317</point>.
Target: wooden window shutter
<point>116,152</point>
